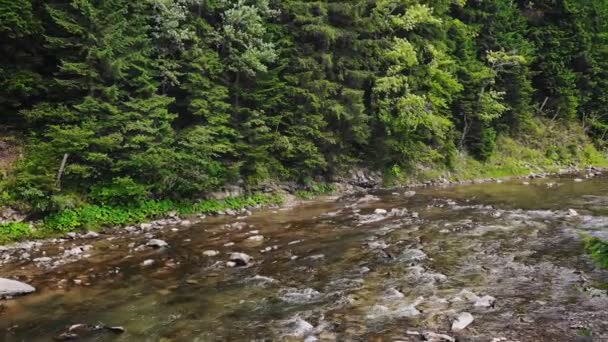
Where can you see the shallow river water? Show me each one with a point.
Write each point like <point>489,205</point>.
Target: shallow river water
<point>379,267</point>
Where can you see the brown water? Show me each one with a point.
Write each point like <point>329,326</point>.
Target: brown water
<point>342,273</point>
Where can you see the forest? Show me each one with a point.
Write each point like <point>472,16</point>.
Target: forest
<point>119,101</point>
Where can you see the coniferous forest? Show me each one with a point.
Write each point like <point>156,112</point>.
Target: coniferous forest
<point>118,100</point>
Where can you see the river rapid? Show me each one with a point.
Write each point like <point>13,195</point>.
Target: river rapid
<point>390,265</point>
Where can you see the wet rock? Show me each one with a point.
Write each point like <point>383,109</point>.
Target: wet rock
<point>410,255</point>
<point>299,296</point>
<point>241,259</point>
<point>409,193</point>
<point>380,211</point>
<point>377,245</point>
<point>392,294</point>
<point>231,264</point>
<point>211,253</point>
<point>572,213</point>
<point>485,301</point>
<point>262,279</point>
<point>11,288</point>
<point>71,235</point>
<point>185,223</point>
<point>42,260</point>
<point>145,226</point>
<point>463,320</point>
<point>148,262</point>
<point>157,243</point>
<point>577,180</point>
<point>229,244</point>
<point>434,337</point>
<point>256,238</point>
<point>90,235</point>
<point>298,328</point>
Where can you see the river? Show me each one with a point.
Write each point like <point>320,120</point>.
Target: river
<point>390,265</point>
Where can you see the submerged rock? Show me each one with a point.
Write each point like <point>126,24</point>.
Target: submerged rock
<point>12,288</point>
<point>297,327</point>
<point>299,296</point>
<point>462,321</point>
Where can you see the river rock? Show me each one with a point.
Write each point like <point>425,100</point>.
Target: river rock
<point>90,235</point>
<point>211,253</point>
<point>410,255</point>
<point>485,301</point>
<point>240,259</point>
<point>392,294</point>
<point>434,337</point>
<point>297,327</point>
<point>148,262</point>
<point>380,211</point>
<point>572,212</point>
<point>256,238</point>
<point>462,321</point>
<point>12,288</point>
<point>145,226</point>
<point>157,243</point>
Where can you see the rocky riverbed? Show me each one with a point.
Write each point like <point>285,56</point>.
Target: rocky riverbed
<point>483,262</point>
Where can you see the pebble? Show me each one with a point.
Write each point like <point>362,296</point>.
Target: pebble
<point>157,243</point>
<point>211,253</point>
<point>256,238</point>
<point>147,262</point>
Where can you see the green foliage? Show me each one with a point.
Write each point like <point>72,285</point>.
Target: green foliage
<point>176,98</point>
<point>97,216</point>
<point>598,250</point>
<point>15,231</point>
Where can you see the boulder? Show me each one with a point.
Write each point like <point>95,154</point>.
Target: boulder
<point>12,288</point>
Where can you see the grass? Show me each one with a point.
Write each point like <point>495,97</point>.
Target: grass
<point>545,147</point>
<point>94,217</point>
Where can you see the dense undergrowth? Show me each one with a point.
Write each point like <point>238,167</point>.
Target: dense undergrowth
<point>94,217</point>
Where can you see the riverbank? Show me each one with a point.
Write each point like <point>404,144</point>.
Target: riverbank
<point>94,217</point>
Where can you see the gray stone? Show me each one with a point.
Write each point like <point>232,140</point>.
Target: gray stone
<point>434,337</point>
<point>241,259</point>
<point>156,243</point>
<point>485,301</point>
<point>463,320</point>
<point>12,288</point>
<point>148,262</point>
<point>210,253</point>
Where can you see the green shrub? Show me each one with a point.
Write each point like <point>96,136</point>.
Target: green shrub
<point>97,216</point>
<point>598,250</point>
<point>121,191</point>
<point>14,231</point>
